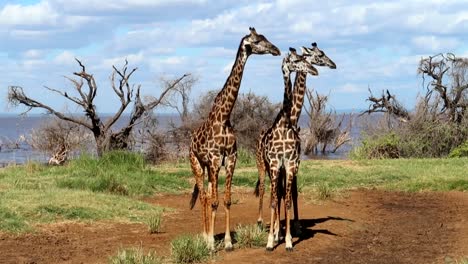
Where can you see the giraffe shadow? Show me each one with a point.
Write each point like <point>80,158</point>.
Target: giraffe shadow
<point>305,231</point>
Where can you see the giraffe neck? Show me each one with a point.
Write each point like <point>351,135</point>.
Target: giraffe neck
<point>287,91</point>
<point>298,97</point>
<point>282,119</point>
<point>226,98</point>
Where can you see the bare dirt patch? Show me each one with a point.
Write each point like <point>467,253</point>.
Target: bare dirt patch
<point>366,226</point>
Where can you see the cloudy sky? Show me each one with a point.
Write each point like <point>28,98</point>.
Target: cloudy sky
<point>375,44</point>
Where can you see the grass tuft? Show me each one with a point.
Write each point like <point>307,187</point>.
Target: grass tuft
<point>249,236</point>
<point>135,256</point>
<point>324,191</point>
<point>189,249</point>
<point>155,222</point>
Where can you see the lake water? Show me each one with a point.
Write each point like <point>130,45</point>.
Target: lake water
<point>14,129</point>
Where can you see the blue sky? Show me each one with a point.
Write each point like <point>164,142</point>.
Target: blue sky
<point>375,44</point>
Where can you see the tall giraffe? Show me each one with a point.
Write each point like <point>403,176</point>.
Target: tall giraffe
<point>314,56</point>
<point>214,143</point>
<point>317,57</point>
<point>281,145</point>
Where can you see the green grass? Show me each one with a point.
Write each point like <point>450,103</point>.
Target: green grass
<point>135,256</point>
<point>248,236</point>
<point>87,189</point>
<point>154,223</point>
<point>396,174</point>
<point>90,189</point>
<point>189,249</point>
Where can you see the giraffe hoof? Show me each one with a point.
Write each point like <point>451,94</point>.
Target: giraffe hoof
<point>260,225</point>
<point>229,249</point>
<point>289,249</point>
<point>269,249</point>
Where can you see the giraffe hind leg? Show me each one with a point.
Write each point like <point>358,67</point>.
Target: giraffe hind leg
<point>274,205</point>
<point>198,190</point>
<point>297,228</point>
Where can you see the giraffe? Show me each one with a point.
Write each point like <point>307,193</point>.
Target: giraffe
<point>317,57</point>
<point>281,145</point>
<point>213,144</point>
<point>314,56</point>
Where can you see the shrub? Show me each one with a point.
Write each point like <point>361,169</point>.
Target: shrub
<point>245,157</point>
<point>380,147</point>
<point>460,151</point>
<point>248,236</point>
<point>189,249</point>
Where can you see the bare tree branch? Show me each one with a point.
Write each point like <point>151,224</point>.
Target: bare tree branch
<point>17,96</point>
<point>104,137</point>
<point>386,103</point>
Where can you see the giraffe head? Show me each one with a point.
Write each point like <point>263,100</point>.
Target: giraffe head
<point>294,62</point>
<point>317,57</point>
<point>257,44</point>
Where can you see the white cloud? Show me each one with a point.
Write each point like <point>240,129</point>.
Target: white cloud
<point>33,15</point>
<point>435,44</point>
<point>65,58</point>
<point>32,54</point>
<point>371,42</point>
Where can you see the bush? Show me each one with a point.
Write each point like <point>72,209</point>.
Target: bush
<point>54,134</point>
<point>189,249</point>
<point>380,147</point>
<point>460,151</point>
<point>248,236</point>
<point>425,135</point>
<point>245,157</point>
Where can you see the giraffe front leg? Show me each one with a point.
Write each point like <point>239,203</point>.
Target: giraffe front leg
<point>230,166</point>
<point>260,190</point>
<point>274,205</point>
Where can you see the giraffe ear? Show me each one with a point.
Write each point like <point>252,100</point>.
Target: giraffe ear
<point>252,30</point>
<point>314,44</point>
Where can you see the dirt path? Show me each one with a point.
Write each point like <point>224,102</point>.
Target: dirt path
<point>366,226</point>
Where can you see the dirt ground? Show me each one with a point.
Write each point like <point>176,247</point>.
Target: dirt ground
<point>363,226</point>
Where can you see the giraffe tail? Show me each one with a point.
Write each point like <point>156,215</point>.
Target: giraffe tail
<point>257,188</point>
<point>194,196</point>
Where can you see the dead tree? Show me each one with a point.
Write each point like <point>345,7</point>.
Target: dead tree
<point>323,128</point>
<point>86,90</point>
<point>449,76</point>
<point>388,104</point>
